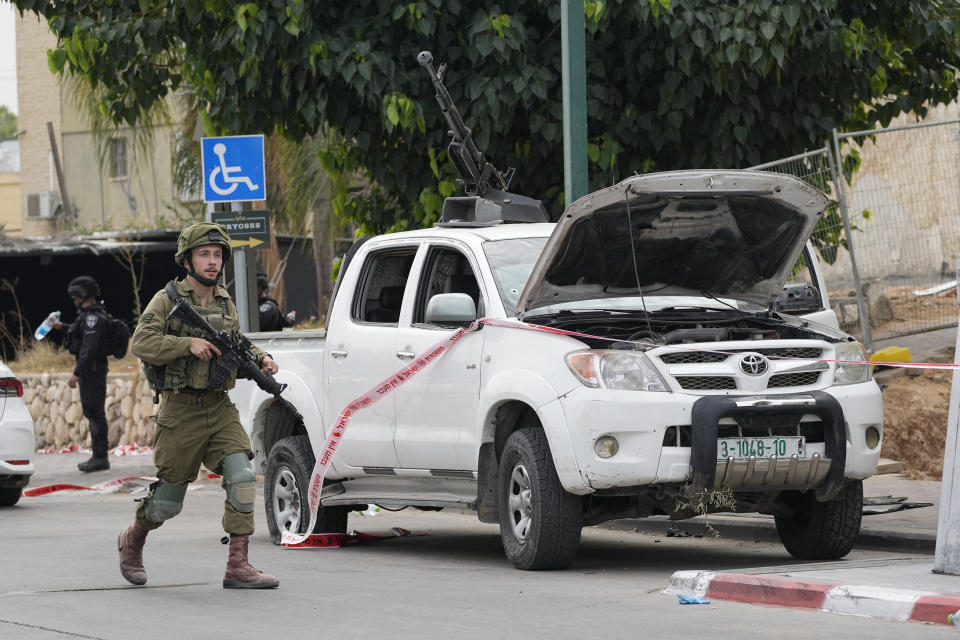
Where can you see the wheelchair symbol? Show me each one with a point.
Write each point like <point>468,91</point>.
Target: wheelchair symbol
<point>224,171</point>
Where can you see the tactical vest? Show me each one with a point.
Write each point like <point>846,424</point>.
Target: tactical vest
<point>190,371</point>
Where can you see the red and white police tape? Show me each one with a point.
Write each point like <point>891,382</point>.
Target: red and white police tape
<point>110,486</point>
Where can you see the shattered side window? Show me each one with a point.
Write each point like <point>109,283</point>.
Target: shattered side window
<point>382,285</point>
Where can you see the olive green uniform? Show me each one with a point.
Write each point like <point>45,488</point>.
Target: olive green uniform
<point>194,424</point>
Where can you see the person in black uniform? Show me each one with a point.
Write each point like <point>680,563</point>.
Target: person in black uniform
<point>271,319</point>
<point>85,335</point>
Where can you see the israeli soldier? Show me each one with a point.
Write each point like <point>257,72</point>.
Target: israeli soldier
<point>195,424</point>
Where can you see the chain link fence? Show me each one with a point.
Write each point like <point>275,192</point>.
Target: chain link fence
<point>889,241</point>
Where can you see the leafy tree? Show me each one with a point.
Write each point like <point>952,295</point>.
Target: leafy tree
<point>688,83</point>
<point>8,123</point>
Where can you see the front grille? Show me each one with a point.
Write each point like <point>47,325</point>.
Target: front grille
<point>706,383</point>
<point>791,352</point>
<point>793,379</point>
<point>693,357</point>
<point>707,357</point>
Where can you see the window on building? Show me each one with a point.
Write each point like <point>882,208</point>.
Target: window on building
<point>118,158</point>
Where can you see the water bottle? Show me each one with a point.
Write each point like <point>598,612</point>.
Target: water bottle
<point>44,328</point>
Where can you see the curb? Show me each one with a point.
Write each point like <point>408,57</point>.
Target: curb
<point>874,602</point>
<point>758,528</point>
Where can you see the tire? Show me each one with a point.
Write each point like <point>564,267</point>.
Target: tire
<point>814,530</point>
<point>287,504</point>
<point>539,521</point>
<point>10,496</point>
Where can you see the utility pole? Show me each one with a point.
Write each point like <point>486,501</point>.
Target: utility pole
<point>574,64</point>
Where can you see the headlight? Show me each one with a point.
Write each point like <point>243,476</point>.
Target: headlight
<point>851,372</point>
<point>611,369</point>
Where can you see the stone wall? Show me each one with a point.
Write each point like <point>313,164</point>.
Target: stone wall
<point>58,416</point>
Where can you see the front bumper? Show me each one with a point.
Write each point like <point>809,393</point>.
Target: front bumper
<point>642,422</point>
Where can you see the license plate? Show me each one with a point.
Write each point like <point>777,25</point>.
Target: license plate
<point>762,448</point>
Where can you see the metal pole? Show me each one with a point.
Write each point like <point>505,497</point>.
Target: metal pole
<point>837,170</point>
<point>240,279</point>
<point>574,72</point>
<point>947,555</point>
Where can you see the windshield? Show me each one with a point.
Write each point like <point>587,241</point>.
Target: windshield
<point>512,261</point>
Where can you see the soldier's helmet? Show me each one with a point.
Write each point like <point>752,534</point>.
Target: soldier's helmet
<point>83,287</point>
<point>199,234</point>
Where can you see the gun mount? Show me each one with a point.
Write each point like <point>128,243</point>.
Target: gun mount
<point>487,201</point>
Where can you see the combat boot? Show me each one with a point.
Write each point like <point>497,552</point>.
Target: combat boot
<point>130,543</point>
<point>94,464</point>
<point>239,574</point>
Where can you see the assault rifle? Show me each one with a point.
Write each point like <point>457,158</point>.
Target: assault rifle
<point>235,353</point>
<point>488,201</point>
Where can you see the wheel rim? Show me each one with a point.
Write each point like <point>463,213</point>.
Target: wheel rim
<point>521,510</point>
<point>286,501</point>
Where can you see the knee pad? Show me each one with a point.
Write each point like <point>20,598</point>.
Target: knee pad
<point>165,501</point>
<point>240,482</point>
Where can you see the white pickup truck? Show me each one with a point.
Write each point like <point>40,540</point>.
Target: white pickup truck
<point>638,362</point>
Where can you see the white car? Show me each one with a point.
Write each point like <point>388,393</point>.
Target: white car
<point>16,439</point>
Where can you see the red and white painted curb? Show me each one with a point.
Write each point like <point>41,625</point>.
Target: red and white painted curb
<point>778,591</point>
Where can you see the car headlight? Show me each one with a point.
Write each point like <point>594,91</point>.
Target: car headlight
<point>612,369</point>
<point>855,369</point>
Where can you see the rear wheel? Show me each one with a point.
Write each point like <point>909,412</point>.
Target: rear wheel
<point>812,530</point>
<point>10,496</point>
<point>287,503</point>
<point>539,521</point>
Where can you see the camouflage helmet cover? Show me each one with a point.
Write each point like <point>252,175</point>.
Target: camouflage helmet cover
<point>199,234</point>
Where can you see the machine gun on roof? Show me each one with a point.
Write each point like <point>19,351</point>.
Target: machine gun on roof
<point>488,202</point>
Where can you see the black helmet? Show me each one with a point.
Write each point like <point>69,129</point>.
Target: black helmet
<point>83,287</point>
<point>262,279</point>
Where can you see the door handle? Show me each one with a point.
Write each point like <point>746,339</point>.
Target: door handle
<point>406,355</point>
<point>338,354</point>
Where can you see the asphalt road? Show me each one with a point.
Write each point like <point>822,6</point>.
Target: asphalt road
<point>59,580</point>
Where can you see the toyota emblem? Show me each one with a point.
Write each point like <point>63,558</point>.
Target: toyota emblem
<point>753,364</point>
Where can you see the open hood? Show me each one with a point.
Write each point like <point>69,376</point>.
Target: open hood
<point>735,234</point>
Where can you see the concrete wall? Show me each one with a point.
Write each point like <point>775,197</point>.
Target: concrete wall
<point>38,102</point>
<point>58,416</point>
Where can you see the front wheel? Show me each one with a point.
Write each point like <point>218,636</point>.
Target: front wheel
<point>812,530</point>
<point>539,521</point>
<point>285,498</point>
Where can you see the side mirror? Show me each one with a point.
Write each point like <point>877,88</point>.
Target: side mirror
<point>799,298</point>
<point>451,308</point>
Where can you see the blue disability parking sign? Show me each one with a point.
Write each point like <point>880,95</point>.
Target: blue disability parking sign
<point>233,169</point>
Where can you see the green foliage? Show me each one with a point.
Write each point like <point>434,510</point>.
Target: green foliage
<point>8,123</point>
<point>705,83</point>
